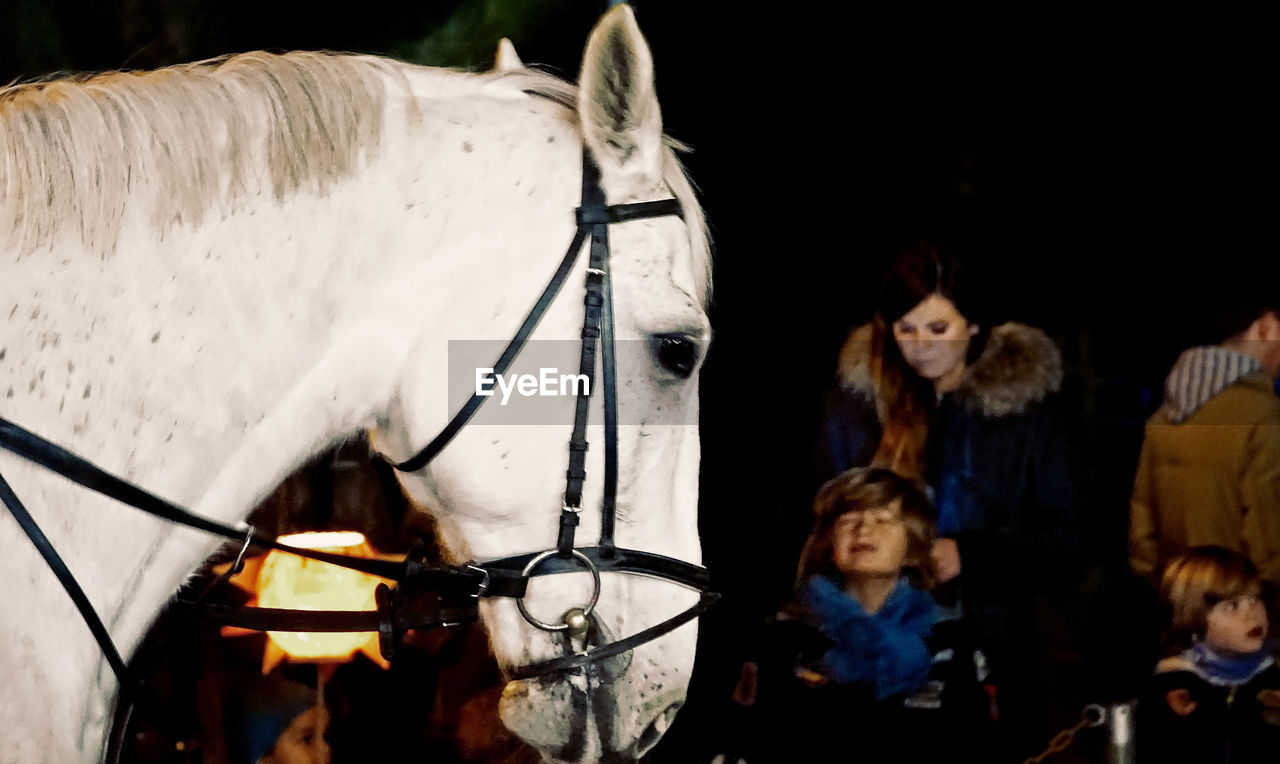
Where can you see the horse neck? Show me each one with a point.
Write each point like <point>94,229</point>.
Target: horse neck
<point>222,318</point>
<point>206,361</point>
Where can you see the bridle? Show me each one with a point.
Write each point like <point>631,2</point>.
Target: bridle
<point>594,217</point>
<point>454,590</point>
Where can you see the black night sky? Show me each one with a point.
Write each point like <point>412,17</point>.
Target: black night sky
<point>1103,170</point>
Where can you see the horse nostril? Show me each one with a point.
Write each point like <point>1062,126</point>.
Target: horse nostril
<point>656,729</point>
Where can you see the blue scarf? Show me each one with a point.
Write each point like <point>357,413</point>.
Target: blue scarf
<point>1226,670</point>
<point>885,650</point>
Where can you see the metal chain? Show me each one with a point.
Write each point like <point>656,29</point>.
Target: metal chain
<point>1094,716</point>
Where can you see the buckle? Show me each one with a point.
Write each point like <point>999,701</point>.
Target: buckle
<point>484,582</point>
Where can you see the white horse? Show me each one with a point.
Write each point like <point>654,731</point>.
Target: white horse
<point>210,273</point>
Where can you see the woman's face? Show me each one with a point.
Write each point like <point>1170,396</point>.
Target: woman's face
<point>870,542</point>
<point>1237,626</point>
<point>934,338</point>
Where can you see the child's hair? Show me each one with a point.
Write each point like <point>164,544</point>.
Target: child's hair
<point>861,489</point>
<point>1195,581</point>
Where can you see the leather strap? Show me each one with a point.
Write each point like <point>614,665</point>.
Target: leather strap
<point>631,561</point>
<point>399,616</point>
<point>68,581</point>
<point>80,470</point>
<point>577,660</point>
<point>437,444</point>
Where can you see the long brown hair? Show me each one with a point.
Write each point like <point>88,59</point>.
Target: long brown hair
<point>904,399</point>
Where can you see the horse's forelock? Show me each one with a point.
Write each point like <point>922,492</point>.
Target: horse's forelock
<point>194,137</point>
<point>695,220</point>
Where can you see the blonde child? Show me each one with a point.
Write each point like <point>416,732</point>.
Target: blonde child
<point>1216,697</point>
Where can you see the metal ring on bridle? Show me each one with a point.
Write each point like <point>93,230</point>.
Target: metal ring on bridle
<point>586,611</point>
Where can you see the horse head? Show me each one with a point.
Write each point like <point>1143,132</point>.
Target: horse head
<point>498,488</point>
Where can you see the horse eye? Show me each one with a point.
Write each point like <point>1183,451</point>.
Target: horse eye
<point>675,353</point>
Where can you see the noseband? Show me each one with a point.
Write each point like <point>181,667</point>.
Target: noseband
<point>455,590</point>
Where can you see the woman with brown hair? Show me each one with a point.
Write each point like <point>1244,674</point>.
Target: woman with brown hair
<point>931,389</point>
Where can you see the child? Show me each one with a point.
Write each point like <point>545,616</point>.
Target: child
<point>863,651</point>
<point>275,720</point>
<point>1218,697</point>
<point>869,545</point>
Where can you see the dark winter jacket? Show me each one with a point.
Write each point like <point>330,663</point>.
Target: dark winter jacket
<point>1231,723</point>
<point>800,712</point>
<point>997,463</point>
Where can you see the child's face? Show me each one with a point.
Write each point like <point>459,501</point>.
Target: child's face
<point>303,742</point>
<point>1237,625</point>
<point>871,542</point>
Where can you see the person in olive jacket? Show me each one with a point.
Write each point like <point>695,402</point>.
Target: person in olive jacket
<point>1209,471</point>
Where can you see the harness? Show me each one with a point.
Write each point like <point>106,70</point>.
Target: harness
<point>454,591</point>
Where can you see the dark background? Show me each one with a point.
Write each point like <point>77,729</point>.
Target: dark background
<point>1105,173</point>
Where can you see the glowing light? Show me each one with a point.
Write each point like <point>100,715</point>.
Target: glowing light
<point>288,581</point>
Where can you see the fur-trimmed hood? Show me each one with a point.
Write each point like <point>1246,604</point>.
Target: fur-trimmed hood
<point>1019,367</point>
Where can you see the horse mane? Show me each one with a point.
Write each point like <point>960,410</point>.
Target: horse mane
<point>195,136</point>
<point>205,135</point>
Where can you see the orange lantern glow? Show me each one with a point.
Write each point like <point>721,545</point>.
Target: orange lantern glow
<point>289,581</point>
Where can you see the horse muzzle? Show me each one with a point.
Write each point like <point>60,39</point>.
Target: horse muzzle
<point>615,708</point>
<point>585,717</point>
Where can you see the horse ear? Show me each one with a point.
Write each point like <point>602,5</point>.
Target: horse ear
<point>621,122</point>
<point>506,59</point>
